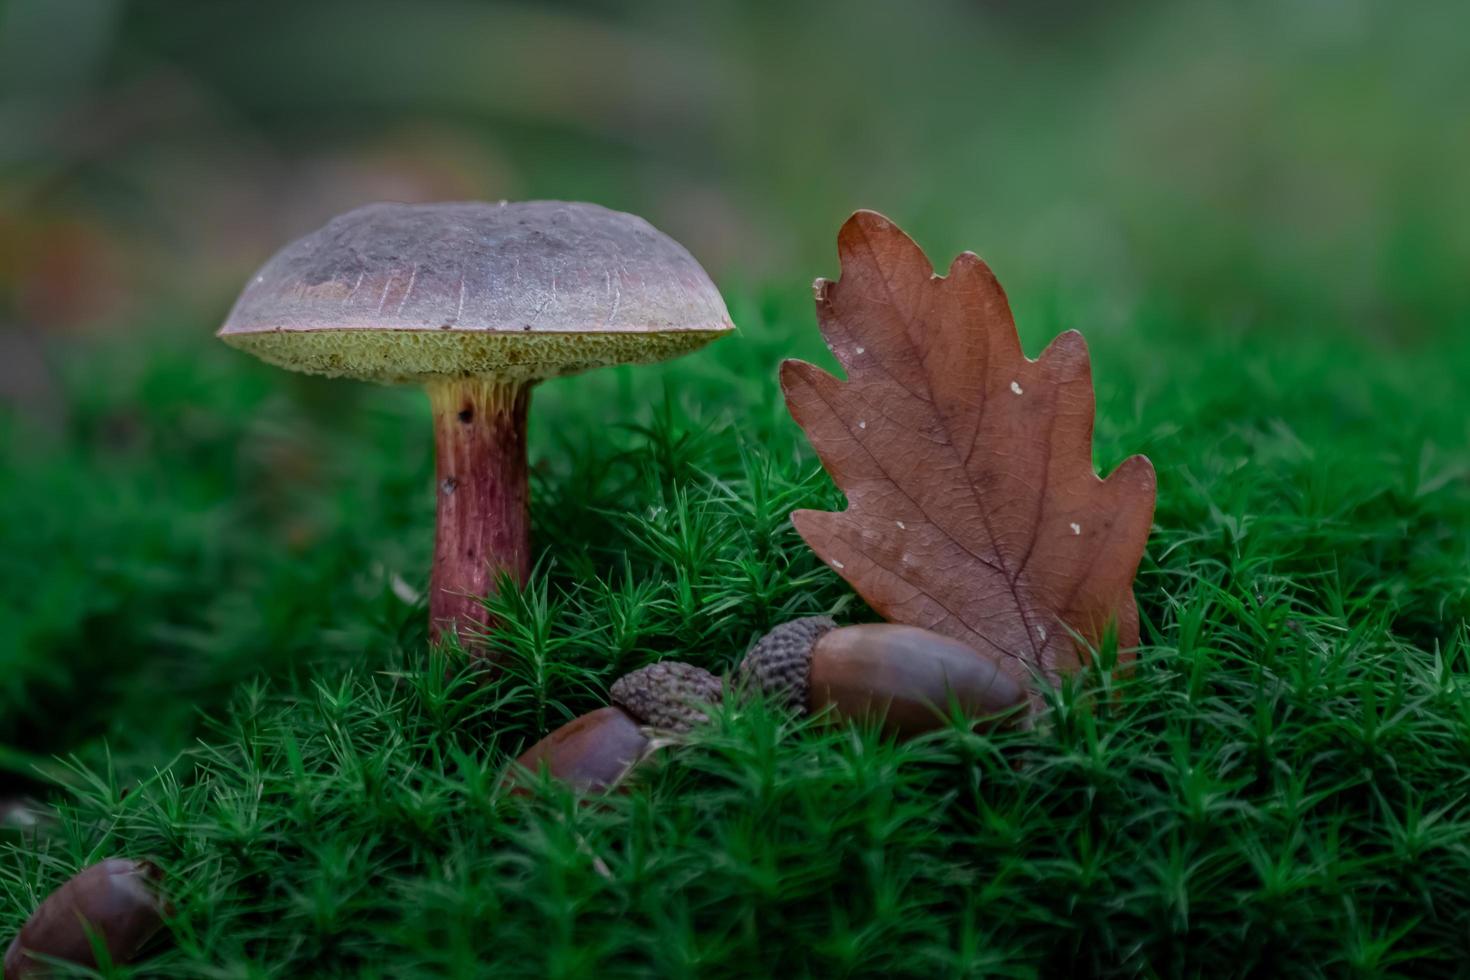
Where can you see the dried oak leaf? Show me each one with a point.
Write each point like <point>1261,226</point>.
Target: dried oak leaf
<point>973,506</point>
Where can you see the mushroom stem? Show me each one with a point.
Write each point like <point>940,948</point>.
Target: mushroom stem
<point>483,520</point>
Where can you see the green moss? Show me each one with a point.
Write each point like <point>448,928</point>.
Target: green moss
<point>1279,786</point>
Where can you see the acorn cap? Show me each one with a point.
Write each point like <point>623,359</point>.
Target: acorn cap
<point>523,291</point>
<point>779,665</point>
<point>668,695</point>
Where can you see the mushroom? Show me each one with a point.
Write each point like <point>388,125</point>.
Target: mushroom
<point>476,302</point>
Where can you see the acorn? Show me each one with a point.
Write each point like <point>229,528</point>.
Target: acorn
<point>590,753</point>
<point>668,695</point>
<point>117,901</point>
<point>779,665</point>
<point>903,675</point>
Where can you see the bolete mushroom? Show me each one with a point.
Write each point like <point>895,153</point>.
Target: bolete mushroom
<point>476,302</point>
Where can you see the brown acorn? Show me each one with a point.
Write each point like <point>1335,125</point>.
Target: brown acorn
<point>668,695</point>
<point>116,901</point>
<point>904,675</point>
<point>779,665</point>
<point>590,753</point>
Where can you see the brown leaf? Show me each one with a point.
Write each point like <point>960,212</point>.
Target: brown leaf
<point>973,506</point>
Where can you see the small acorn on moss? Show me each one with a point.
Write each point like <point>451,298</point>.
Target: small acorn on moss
<point>779,665</point>
<point>668,695</point>
<point>905,677</point>
<point>115,903</point>
<point>590,753</point>
<point>593,752</point>
<point>902,675</point>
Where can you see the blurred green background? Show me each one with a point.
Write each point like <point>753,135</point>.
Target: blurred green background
<point>1292,153</point>
<point>173,518</point>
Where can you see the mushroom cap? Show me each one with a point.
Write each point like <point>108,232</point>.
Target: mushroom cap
<point>514,291</point>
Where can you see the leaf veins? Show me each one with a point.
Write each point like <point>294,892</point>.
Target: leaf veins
<point>973,506</point>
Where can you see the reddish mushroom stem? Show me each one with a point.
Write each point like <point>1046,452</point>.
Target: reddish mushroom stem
<point>483,522</point>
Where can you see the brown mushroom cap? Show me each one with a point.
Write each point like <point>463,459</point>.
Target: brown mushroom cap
<point>516,291</point>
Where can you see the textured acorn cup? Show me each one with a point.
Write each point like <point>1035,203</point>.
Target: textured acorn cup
<point>903,675</point>
<point>590,753</point>
<point>669,695</point>
<point>117,901</point>
<point>779,665</point>
<point>477,302</point>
